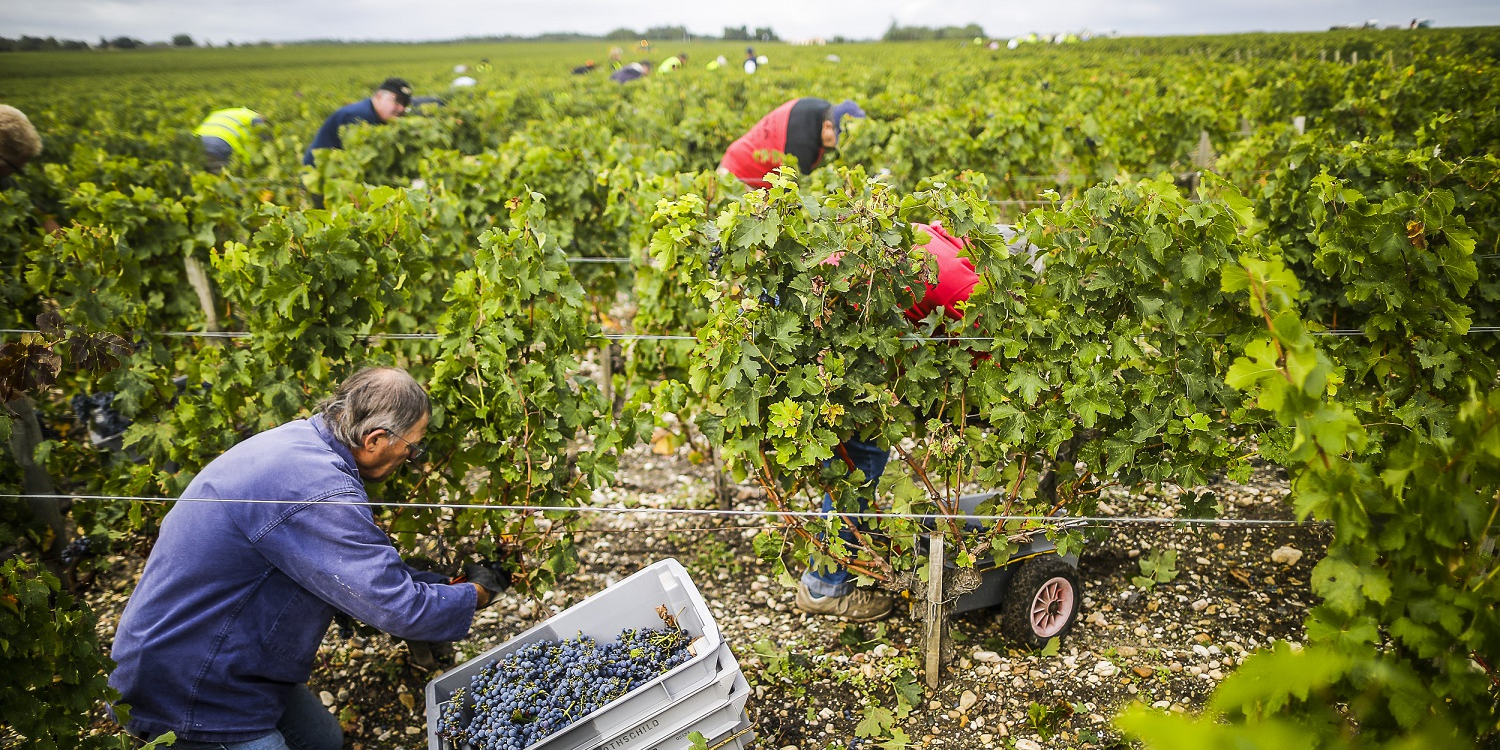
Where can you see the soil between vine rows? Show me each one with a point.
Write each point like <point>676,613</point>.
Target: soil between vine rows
<point>1166,646</point>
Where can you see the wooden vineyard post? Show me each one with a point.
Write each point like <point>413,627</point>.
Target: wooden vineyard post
<point>721,486</point>
<point>609,375</point>
<point>198,278</point>
<point>1203,159</point>
<point>934,639</point>
<point>25,436</point>
<point>608,352</point>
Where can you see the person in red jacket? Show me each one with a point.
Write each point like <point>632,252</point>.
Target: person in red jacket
<point>832,591</point>
<point>804,128</point>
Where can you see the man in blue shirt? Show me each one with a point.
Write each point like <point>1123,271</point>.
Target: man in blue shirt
<point>219,638</point>
<point>387,103</point>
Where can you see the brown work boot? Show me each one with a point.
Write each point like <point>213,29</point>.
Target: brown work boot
<point>859,605</point>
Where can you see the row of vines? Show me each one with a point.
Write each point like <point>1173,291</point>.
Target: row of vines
<point>1321,297</point>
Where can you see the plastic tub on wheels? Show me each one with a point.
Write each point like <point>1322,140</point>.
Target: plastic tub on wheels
<point>1036,589</point>
<point>630,603</point>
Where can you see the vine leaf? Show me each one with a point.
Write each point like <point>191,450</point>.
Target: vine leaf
<point>877,721</point>
<point>26,367</point>
<point>1268,681</point>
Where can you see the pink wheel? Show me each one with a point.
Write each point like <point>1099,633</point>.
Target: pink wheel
<point>1052,607</point>
<point>1041,601</point>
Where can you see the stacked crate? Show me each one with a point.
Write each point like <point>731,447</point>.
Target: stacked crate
<point>706,694</point>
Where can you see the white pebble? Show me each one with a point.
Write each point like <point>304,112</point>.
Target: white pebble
<point>967,701</point>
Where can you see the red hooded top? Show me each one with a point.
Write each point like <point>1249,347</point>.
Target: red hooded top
<point>780,132</point>
<point>955,280</point>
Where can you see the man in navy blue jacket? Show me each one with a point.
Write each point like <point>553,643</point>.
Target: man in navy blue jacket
<point>219,637</point>
<point>387,103</point>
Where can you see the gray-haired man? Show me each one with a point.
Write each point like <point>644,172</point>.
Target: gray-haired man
<point>19,142</point>
<point>222,630</point>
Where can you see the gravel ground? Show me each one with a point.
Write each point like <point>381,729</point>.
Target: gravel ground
<point>1237,588</point>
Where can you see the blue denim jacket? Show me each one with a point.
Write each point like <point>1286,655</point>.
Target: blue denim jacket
<point>236,597</point>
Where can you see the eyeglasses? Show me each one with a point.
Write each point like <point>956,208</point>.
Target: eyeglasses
<point>414,451</point>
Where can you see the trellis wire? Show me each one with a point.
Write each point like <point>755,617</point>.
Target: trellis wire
<point>728,513</point>
<point>670,336</point>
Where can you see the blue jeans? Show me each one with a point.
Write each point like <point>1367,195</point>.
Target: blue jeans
<point>871,459</point>
<point>306,725</point>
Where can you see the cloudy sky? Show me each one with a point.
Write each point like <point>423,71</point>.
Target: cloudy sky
<point>284,20</point>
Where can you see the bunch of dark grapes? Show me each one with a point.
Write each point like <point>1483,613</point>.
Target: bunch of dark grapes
<point>451,719</point>
<point>95,411</point>
<point>715,256</point>
<point>78,550</point>
<point>529,694</point>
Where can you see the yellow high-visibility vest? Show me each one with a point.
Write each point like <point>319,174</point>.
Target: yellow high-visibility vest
<point>670,64</point>
<point>233,125</point>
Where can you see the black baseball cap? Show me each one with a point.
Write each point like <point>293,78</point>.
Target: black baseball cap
<point>400,88</point>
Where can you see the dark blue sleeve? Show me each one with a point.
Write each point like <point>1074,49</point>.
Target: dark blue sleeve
<point>328,134</point>
<point>336,551</point>
<point>427,576</point>
<point>327,137</point>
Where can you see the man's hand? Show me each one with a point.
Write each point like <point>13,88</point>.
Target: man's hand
<point>430,655</point>
<point>489,577</point>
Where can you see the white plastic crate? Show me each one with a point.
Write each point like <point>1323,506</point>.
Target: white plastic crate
<point>712,711</point>
<point>725,724</point>
<point>630,603</point>
<point>739,737</point>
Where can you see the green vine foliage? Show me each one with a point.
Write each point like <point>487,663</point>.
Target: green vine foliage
<point>1388,241</point>
<point>1114,352</point>
<point>309,287</point>
<point>55,671</point>
<point>1120,341</point>
<point>675,251</point>
<point>19,226</point>
<point>1104,363</point>
<point>514,421</point>
<point>1400,651</point>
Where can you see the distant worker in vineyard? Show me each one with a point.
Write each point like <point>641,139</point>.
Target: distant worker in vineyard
<point>19,141</point>
<point>631,72</point>
<point>220,635</point>
<point>804,128</point>
<point>833,591</point>
<point>224,133</point>
<point>388,102</point>
<point>674,62</point>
